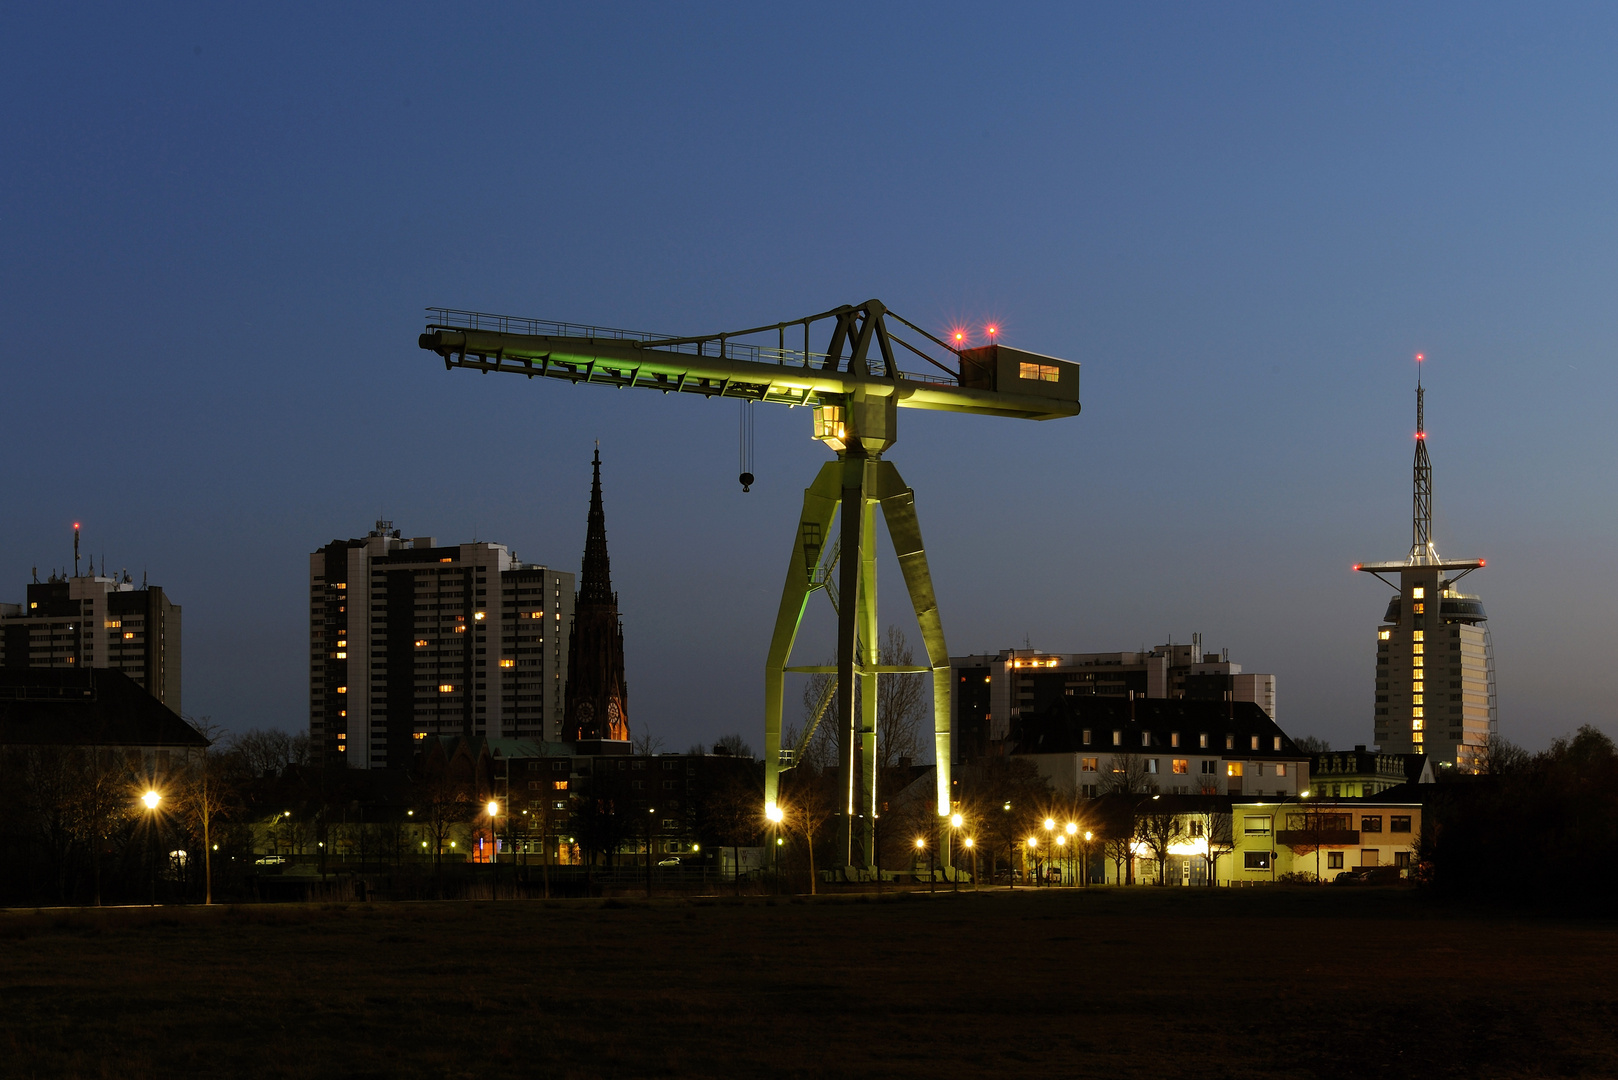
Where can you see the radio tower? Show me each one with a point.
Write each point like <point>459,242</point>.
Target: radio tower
<point>1422,551</point>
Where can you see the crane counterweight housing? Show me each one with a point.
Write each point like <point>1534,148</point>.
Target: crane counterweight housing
<point>854,390</point>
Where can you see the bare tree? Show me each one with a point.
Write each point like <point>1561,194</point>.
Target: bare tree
<point>1127,775</point>
<point>646,744</point>
<point>733,809</point>
<point>204,792</point>
<point>1160,830</point>
<point>808,806</point>
<point>1312,744</point>
<point>99,803</point>
<point>1501,757</point>
<point>1217,826</point>
<point>733,745</point>
<point>900,704</point>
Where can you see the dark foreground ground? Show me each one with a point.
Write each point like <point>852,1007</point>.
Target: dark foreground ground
<point>1136,983</point>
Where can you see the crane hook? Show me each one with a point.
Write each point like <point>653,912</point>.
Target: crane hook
<point>746,477</point>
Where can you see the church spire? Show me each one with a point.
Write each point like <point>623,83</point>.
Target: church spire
<point>1421,523</point>
<point>595,581</point>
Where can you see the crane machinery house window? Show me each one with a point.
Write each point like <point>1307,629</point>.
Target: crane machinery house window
<point>1039,372</point>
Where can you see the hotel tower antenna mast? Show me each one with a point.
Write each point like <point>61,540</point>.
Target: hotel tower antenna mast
<point>854,390</point>
<point>1421,523</point>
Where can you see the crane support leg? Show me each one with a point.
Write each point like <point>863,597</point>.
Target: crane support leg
<point>899,510</point>
<point>850,490</point>
<point>819,505</point>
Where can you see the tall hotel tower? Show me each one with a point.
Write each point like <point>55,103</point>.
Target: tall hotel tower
<point>1434,660</point>
<point>409,639</point>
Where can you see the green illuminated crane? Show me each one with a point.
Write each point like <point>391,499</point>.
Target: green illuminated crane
<point>854,389</point>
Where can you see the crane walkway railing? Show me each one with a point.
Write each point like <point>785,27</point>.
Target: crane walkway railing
<point>716,345</point>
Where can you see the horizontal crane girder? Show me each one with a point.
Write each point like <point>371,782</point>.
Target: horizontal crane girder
<point>752,372</point>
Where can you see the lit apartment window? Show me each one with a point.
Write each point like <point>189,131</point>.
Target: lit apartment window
<point>1417,608</point>
<point>129,635</point>
<point>559,785</point>
<point>1255,742</point>
<point>446,688</point>
<point>421,643</point>
<point>1117,738</point>
<point>1418,635</point>
<point>341,655</point>
<point>1383,635</point>
<point>342,689</point>
<point>1088,764</point>
<point>1086,736</point>
<point>1278,742</point>
<point>447,560</point>
<point>1280,768</point>
<point>1233,768</point>
<point>1146,738</point>
<point>418,735</point>
<point>1202,741</point>
<point>1255,860</point>
<point>1174,739</point>
<point>1181,766</point>
<point>1230,742</point>
<point>508,663</point>
<point>113,624</point>
<point>1418,593</point>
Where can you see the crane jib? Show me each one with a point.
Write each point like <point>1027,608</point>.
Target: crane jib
<point>999,381</point>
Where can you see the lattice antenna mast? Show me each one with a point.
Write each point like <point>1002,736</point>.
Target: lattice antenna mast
<point>1421,523</point>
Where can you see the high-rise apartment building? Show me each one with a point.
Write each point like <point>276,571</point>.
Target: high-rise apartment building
<point>408,638</point>
<point>992,692</point>
<point>1434,660</point>
<point>94,621</point>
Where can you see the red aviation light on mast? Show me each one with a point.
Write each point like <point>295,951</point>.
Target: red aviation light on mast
<point>992,329</point>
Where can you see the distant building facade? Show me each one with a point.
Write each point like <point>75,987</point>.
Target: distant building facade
<point>993,691</point>
<point>410,639</point>
<point>1359,773</point>
<point>97,710</point>
<point>93,621</point>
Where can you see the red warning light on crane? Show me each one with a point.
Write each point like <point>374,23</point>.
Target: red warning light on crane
<point>993,330</point>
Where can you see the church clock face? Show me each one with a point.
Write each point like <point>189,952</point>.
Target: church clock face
<point>586,711</point>
<point>614,714</point>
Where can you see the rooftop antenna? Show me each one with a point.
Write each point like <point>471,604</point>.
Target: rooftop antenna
<point>75,549</point>
<point>1421,524</point>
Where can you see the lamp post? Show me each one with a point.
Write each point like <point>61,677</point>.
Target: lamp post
<point>777,816</point>
<point>1087,836</point>
<point>494,850</point>
<point>921,845</point>
<point>954,875</point>
<point>970,847</point>
<point>1073,834</point>
<point>1061,856</point>
<point>1033,849</point>
<point>1050,830</point>
<point>1011,858</point>
<point>151,799</point>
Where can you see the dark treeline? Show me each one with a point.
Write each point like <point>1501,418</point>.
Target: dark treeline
<point>1537,830</point>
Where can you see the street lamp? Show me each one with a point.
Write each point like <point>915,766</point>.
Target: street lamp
<point>1087,836</point>
<point>921,845</point>
<point>973,849</point>
<point>151,799</point>
<point>1033,849</point>
<point>1050,827</point>
<point>1011,858</point>
<point>493,808</point>
<point>1073,833</point>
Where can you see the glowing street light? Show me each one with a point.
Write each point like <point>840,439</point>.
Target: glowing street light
<point>151,799</point>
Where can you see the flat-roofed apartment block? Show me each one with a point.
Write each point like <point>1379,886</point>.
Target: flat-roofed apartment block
<point>992,691</point>
<point>408,639</point>
<point>91,621</point>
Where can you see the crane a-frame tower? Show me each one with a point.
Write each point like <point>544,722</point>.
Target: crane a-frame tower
<point>854,389</point>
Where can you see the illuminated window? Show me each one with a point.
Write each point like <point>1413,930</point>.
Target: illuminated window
<point>1418,648</point>
<point>342,644</point>
<point>1417,635</point>
<point>446,560</point>
<point>342,712</point>
<point>478,616</point>
<point>1417,609</point>
<point>342,689</point>
<point>341,736</point>
<point>1383,635</point>
<point>420,642</point>
<point>1415,738</point>
<point>559,785</point>
<point>461,629</point>
<point>419,735</point>
<point>1086,733</point>
<point>1039,372</point>
<point>1174,739</point>
<point>1233,768</point>
<point>1416,715</point>
<point>536,615</point>
<point>1418,593</point>
<point>1181,765</point>
<point>508,663</point>
<point>113,624</point>
<point>1254,743</point>
<point>129,635</point>
<point>1117,738</point>
<point>1202,741</point>
<point>829,423</point>
<point>341,585</point>
<point>33,605</point>
<point>446,688</point>
<point>1088,764</point>
<point>1050,663</point>
<point>342,656</point>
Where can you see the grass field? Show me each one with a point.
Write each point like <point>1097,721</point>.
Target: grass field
<point>1118,983</point>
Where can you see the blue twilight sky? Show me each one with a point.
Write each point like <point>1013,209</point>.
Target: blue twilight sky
<point>221,223</point>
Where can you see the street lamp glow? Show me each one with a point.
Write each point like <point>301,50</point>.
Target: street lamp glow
<point>1072,828</point>
<point>1061,841</point>
<point>1050,823</point>
<point>920,843</point>
<point>773,812</point>
<point>1033,841</point>
<point>1086,836</point>
<point>955,820</point>
<point>968,841</point>
<point>493,808</point>
<point>1304,794</point>
<point>150,799</point>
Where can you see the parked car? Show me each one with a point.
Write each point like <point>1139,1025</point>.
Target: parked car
<point>670,861</point>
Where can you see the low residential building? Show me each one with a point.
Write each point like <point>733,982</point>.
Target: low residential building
<point>1322,836</point>
<point>95,710</point>
<point>1350,774</point>
<point>1090,745</point>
